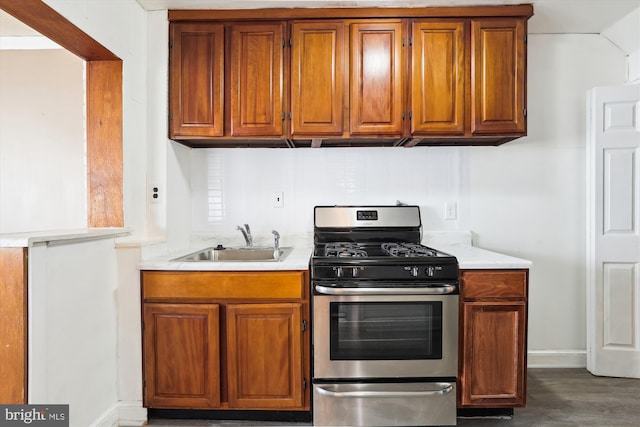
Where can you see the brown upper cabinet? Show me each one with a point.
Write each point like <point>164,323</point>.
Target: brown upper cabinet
<point>196,89</point>
<point>498,76</point>
<point>439,77</point>
<point>376,79</point>
<point>318,78</point>
<point>256,92</point>
<point>308,77</point>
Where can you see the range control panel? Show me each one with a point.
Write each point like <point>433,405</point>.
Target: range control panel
<point>367,215</point>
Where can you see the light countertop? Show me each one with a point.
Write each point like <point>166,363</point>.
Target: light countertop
<point>457,244</point>
<point>25,240</point>
<point>469,257</point>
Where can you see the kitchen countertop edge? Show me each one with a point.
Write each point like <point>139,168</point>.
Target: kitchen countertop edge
<point>28,239</point>
<point>474,258</point>
<point>469,258</point>
<point>298,259</point>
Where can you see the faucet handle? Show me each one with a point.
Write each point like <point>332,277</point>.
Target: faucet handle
<point>276,244</point>
<point>246,233</point>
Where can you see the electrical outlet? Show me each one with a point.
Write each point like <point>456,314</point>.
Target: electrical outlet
<point>278,199</point>
<point>155,193</point>
<point>450,210</point>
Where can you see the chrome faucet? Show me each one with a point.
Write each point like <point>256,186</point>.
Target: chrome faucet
<point>276,244</point>
<point>246,233</point>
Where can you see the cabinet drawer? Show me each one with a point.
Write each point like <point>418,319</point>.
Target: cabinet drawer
<point>227,285</point>
<point>494,284</point>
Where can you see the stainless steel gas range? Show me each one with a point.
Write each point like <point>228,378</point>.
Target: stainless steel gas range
<point>385,320</point>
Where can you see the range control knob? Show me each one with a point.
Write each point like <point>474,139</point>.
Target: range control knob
<point>430,271</point>
<point>355,272</point>
<point>339,272</point>
<point>412,270</point>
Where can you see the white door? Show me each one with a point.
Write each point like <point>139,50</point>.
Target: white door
<point>613,231</point>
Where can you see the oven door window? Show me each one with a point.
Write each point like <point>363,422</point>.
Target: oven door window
<point>386,330</point>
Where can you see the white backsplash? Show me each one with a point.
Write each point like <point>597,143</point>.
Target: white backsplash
<point>237,186</point>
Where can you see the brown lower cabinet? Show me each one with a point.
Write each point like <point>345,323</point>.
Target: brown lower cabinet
<point>238,340</point>
<point>493,338</point>
<point>226,340</point>
<point>182,355</point>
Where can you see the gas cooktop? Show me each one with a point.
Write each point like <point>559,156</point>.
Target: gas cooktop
<point>369,243</point>
<point>387,249</point>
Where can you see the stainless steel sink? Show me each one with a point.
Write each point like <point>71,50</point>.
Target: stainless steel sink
<point>255,254</point>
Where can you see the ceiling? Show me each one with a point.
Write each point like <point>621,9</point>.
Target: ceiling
<point>550,16</point>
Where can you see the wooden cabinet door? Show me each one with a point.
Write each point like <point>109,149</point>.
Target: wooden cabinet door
<point>317,78</point>
<point>494,361</point>
<point>196,89</point>
<point>264,355</point>
<point>257,79</point>
<point>376,78</point>
<point>438,67</point>
<point>181,356</point>
<point>498,76</point>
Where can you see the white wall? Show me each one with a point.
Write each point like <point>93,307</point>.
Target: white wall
<point>42,142</point>
<point>237,186</point>
<point>72,329</point>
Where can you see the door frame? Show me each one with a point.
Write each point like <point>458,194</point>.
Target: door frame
<point>103,107</point>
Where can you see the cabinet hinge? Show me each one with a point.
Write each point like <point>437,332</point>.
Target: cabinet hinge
<point>525,112</point>
<point>143,321</point>
<point>170,43</point>
<point>290,41</point>
<point>526,38</point>
<point>283,43</point>
<point>304,325</point>
<point>304,384</point>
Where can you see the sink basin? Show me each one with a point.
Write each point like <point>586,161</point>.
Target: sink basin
<point>256,254</point>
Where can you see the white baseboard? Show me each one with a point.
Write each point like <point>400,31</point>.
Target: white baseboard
<point>557,359</point>
<point>123,414</point>
<point>131,414</point>
<point>108,418</point>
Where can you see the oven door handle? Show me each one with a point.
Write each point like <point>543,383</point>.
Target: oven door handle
<point>442,289</point>
<point>446,388</point>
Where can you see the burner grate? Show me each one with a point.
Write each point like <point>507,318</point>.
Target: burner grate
<point>407,250</point>
<point>344,250</point>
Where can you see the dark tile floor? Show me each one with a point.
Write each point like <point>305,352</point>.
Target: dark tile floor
<point>555,398</point>
<point>573,397</point>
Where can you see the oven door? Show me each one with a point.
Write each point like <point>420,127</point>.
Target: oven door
<point>385,336</point>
